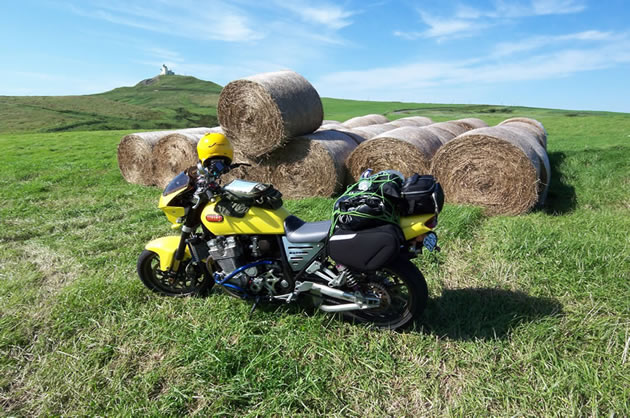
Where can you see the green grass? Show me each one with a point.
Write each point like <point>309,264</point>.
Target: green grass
<point>528,315</point>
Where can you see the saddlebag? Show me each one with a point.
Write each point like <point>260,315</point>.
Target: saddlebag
<point>368,249</point>
<point>421,195</point>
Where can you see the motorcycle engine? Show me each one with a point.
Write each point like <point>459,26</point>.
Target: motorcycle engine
<point>234,252</point>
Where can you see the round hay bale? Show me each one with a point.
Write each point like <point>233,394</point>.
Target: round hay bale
<point>369,132</point>
<point>417,121</point>
<point>311,165</point>
<point>174,153</point>
<point>371,119</point>
<point>408,149</point>
<point>543,157</point>
<point>135,159</point>
<point>420,120</point>
<point>497,168</point>
<point>446,131</point>
<point>326,126</point>
<point>470,123</point>
<point>531,124</point>
<point>255,172</point>
<point>260,113</point>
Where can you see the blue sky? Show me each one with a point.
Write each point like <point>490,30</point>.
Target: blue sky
<point>570,54</point>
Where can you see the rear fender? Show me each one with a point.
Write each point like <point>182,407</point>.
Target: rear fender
<point>165,247</point>
<point>414,226</point>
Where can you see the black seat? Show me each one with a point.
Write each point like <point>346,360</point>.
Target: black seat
<point>299,231</point>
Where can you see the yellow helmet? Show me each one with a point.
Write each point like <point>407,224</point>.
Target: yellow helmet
<point>214,145</point>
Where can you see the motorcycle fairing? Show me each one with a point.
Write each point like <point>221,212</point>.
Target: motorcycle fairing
<point>165,247</point>
<point>257,221</point>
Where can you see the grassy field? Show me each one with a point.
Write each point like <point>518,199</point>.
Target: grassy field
<point>528,315</point>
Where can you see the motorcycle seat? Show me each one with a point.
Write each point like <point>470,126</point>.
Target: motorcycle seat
<point>298,231</point>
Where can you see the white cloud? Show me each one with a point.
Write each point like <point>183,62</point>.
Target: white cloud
<point>331,16</point>
<point>408,81</point>
<point>207,20</point>
<point>468,20</point>
<point>553,7</point>
<point>537,42</point>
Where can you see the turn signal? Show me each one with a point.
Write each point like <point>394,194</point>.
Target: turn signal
<point>214,218</point>
<point>431,223</point>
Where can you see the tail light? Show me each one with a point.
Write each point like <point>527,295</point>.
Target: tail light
<point>432,222</point>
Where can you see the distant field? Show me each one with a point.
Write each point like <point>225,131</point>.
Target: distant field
<point>528,315</point>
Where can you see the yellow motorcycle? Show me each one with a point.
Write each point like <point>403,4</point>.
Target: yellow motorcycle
<point>241,238</point>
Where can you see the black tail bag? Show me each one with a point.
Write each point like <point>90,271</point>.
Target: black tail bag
<point>421,194</point>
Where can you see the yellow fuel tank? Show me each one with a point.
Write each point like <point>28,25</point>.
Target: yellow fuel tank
<point>256,221</point>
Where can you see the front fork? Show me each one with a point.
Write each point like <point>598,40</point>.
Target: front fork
<point>191,223</point>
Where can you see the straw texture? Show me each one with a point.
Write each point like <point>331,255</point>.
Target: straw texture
<point>260,113</point>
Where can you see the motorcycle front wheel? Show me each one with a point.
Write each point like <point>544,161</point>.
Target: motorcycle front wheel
<point>190,280</point>
<point>403,293</point>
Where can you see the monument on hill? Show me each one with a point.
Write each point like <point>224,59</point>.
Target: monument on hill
<point>166,71</point>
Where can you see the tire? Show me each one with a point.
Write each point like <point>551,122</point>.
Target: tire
<point>198,283</point>
<point>403,273</point>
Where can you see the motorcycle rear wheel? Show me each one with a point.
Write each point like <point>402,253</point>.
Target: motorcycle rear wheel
<point>403,293</point>
<point>190,280</point>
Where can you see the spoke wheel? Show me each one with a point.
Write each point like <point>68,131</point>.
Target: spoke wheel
<point>403,296</point>
<point>190,280</point>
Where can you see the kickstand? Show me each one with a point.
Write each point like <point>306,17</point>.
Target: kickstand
<point>254,306</point>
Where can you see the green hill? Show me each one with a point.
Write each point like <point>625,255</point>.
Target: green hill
<point>162,102</point>
<point>174,101</point>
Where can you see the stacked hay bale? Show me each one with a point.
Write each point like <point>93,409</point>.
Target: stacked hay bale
<point>446,131</point>
<point>371,119</point>
<point>503,168</point>
<point>271,119</point>
<point>174,153</point>
<point>409,121</point>
<point>261,113</point>
<point>135,154</point>
<point>408,149</point>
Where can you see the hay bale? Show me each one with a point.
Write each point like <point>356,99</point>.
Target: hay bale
<point>470,123</point>
<point>255,172</point>
<point>446,131</point>
<point>369,132</point>
<point>421,120</point>
<point>498,168</point>
<point>417,121</point>
<point>311,165</point>
<point>327,126</point>
<point>531,124</point>
<point>260,113</point>
<point>135,159</point>
<point>408,149</point>
<point>174,153</point>
<point>371,119</point>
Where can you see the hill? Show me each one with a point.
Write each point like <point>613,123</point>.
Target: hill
<point>174,101</point>
<point>163,102</point>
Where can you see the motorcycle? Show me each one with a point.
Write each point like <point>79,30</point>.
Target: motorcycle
<point>241,238</point>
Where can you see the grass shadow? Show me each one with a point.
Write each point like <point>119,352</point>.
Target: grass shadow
<point>561,198</point>
<point>483,313</point>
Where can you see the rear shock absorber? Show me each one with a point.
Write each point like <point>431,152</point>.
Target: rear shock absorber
<point>351,281</point>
